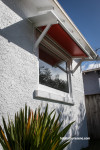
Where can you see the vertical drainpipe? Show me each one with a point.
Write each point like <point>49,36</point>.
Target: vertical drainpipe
<point>69,78</point>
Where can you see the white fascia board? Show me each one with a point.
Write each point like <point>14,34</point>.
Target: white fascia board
<point>75,40</point>
<point>87,46</point>
<point>88,52</point>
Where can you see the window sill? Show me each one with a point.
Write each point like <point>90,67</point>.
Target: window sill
<point>49,94</point>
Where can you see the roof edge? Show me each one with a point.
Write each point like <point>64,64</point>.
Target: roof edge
<point>93,54</point>
<point>90,70</point>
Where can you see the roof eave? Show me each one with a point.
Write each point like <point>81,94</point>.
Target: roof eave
<point>88,48</point>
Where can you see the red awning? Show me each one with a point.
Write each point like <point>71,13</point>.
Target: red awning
<point>62,38</point>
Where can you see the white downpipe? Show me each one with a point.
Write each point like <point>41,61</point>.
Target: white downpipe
<point>69,80</point>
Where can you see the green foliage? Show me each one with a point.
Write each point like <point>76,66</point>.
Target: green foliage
<point>33,131</point>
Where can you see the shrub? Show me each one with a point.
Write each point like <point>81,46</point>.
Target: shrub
<point>33,131</point>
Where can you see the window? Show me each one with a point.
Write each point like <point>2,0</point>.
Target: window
<point>54,71</point>
<point>49,72</point>
<point>57,45</point>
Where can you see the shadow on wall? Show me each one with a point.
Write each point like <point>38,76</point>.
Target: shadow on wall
<point>23,8</point>
<point>20,34</point>
<point>14,5</point>
<point>79,128</point>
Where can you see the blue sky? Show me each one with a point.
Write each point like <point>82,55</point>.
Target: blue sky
<point>86,16</point>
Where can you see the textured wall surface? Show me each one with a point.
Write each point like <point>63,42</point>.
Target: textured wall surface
<point>19,74</point>
<point>91,83</point>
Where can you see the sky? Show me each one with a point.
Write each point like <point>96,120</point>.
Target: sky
<point>86,16</point>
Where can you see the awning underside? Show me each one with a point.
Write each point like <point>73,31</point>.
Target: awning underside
<point>57,34</point>
<point>48,56</point>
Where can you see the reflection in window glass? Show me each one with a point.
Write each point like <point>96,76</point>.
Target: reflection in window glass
<point>53,77</point>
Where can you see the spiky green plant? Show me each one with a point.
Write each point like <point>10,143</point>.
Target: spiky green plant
<point>33,131</point>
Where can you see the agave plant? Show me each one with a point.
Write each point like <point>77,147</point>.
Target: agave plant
<point>33,131</point>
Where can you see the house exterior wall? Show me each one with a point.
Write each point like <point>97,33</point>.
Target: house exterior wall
<point>19,74</point>
<point>91,83</point>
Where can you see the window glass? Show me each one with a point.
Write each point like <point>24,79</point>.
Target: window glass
<point>52,76</point>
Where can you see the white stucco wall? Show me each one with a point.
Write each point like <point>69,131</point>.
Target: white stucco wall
<point>19,74</point>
